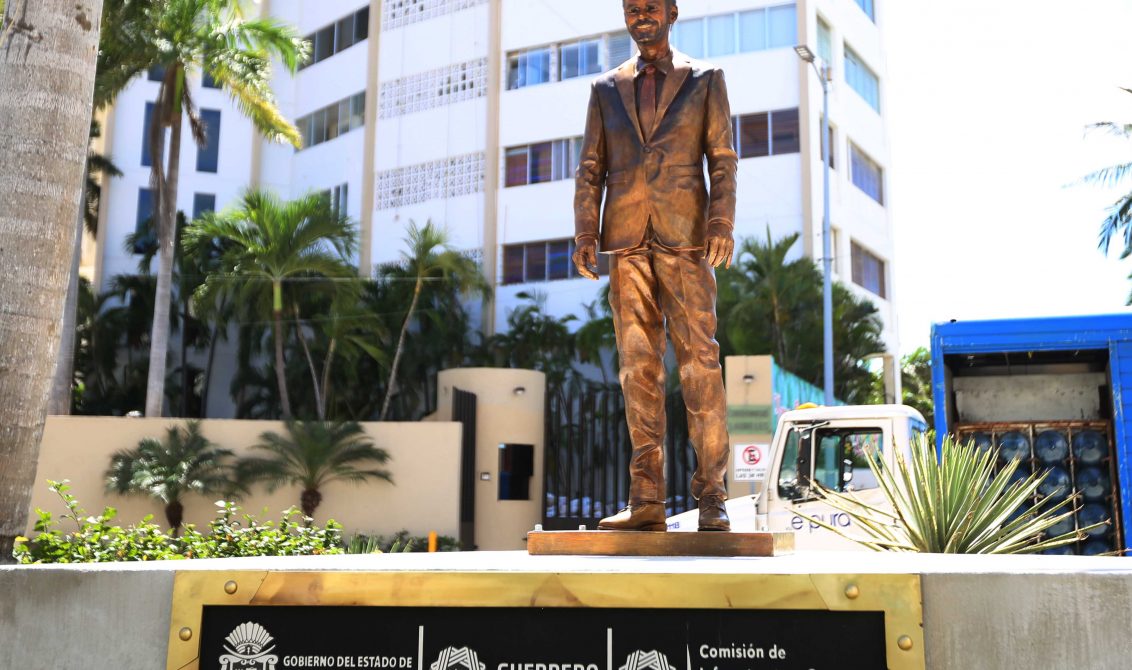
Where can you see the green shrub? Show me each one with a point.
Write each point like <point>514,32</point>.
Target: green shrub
<point>399,542</point>
<point>98,540</point>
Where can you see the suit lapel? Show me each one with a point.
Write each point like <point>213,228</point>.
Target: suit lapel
<point>628,90</point>
<point>681,66</point>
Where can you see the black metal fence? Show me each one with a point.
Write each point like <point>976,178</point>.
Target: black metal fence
<point>586,476</point>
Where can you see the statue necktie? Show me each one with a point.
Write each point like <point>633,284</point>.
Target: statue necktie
<point>647,103</point>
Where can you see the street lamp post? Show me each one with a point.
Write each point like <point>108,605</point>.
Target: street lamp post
<point>823,71</point>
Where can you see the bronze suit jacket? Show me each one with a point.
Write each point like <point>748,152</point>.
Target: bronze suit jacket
<point>656,173</point>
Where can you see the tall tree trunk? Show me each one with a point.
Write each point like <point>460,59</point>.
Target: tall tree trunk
<point>400,347</point>
<point>163,296</point>
<point>61,390</point>
<point>184,347</point>
<point>208,371</point>
<point>48,51</point>
<point>320,408</point>
<point>280,364</point>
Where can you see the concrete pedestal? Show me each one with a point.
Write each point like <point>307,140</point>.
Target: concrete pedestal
<point>978,612</point>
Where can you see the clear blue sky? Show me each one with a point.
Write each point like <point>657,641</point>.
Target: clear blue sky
<point>987,104</point>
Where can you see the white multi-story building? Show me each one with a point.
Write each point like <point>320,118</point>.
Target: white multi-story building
<point>469,113</point>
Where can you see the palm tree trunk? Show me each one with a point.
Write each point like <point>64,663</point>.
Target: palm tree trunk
<point>309,500</point>
<point>184,347</point>
<point>175,514</point>
<point>330,348</point>
<point>208,371</point>
<point>65,365</point>
<point>163,296</point>
<point>320,408</point>
<point>280,364</point>
<point>400,347</point>
<point>48,51</point>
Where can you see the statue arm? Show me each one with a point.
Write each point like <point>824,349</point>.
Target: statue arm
<point>719,146</point>
<point>589,179</point>
<point>722,160</point>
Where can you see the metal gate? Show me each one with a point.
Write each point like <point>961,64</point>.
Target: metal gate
<point>586,474</point>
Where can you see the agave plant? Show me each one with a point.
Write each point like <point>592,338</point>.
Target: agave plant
<point>956,504</point>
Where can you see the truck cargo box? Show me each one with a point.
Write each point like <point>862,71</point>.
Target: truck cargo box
<point>1055,393</point>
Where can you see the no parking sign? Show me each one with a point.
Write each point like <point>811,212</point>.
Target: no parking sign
<point>750,462</point>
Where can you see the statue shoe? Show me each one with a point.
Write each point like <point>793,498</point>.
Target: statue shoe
<point>637,516</point>
<point>713,514</point>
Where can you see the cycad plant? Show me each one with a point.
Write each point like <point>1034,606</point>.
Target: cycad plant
<point>313,454</point>
<point>184,462</point>
<point>956,504</point>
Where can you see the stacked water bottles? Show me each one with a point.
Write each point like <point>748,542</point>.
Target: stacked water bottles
<point>1078,460</point>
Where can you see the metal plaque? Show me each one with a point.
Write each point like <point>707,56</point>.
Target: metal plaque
<point>531,621</point>
<point>750,419</point>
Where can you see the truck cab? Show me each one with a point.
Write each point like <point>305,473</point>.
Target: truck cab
<point>825,445</point>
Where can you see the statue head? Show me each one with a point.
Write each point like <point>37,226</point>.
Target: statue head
<point>649,21</point>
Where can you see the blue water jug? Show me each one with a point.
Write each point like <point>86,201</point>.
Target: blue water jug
<point>1014,445</point>
<point>1050,446</point>
<point>1090,447</point>
<point>1093,483</point>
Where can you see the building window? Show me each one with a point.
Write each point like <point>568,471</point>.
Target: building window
<point>333,120</point>
<point>337,198</point>
<point>868,270</point>
<point>528,68</point>
<point>338,36</point>
<point>207,80</point>
<point>156,73</point>
<point>451,177</point>
<point>144,225</point>
<point>208,156</point>
<point>442,86</point>
<point>403,12</point>
<point>861,79</point>
<point>543,261</point>
<point>203,203</point>
<point>767,134</point>
<point>737,32</point>
<point>578,59</point>
<point>868,8</point>
<point>620,48</point>
<point>832,149</point>
<point>543,162</point>
<point>825,42</point>
<point>866,174</point>
<point>147,131</point>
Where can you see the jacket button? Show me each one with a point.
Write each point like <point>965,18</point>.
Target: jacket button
<point>648,150</point>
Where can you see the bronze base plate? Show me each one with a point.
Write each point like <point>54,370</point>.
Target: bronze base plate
<point>630,543</point>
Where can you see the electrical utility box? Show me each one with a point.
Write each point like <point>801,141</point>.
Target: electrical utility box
<point>1054,393</point>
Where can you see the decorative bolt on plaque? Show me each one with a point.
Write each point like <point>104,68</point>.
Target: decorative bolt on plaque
<point>230,587</point>
<point>185,634</point>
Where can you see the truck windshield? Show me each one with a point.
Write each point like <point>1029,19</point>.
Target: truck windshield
<point>837,459</point>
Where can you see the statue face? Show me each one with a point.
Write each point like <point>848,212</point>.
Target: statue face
<point>648,21</point>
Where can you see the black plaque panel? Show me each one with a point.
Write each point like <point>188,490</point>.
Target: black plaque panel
<point>424,638</point>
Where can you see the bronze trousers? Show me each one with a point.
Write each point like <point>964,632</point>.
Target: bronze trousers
<point>647,286</point>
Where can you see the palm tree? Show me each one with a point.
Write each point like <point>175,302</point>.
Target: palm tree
<point>770,305</point>
<point>272,241</point>
<point>43,145</point>
<point>184,37</point>
<point>312,455</point>
<point>1119,219</point>
<point>97,166</point>
<point>429,258</point>
<point>185,462</point>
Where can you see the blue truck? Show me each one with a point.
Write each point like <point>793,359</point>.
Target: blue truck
<point>1055,393</point>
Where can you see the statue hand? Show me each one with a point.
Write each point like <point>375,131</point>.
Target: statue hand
<point>720,246</point>
<point>585,257</point>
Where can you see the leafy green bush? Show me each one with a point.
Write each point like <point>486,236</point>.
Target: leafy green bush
<point>399,542</point>
<point>98,540</point>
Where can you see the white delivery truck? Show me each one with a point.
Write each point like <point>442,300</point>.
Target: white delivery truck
<point>818,444</point>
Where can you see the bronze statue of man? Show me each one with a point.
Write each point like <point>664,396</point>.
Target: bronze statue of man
<point>651,123</point>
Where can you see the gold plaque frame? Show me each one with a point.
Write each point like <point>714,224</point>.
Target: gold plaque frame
<point>898,596</point>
